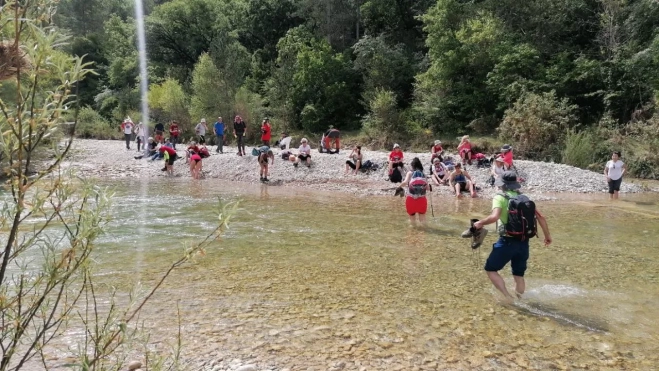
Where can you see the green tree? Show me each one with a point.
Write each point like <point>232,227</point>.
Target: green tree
<point>313,78</point>
<point>211,95</point>
<point>385,66</point>
<point>169,102</point>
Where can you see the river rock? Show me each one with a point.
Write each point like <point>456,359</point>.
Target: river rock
<point>134,365</point>
<point>247,368</point>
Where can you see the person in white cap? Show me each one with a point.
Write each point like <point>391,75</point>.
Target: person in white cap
<point>127,127</point>
<point>436,151</point>
<point>200,130</point>
<point>396,159</point>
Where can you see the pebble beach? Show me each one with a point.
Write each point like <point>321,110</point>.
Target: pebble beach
<point>109,159</point>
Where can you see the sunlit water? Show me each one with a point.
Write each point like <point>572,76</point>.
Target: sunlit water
<point>308,279</point>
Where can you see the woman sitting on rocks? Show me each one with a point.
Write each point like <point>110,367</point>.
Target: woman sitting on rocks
<point>461,181</point>
<point>498,168</point>
<point>355,160</point>
<point>439,172</point>
<point>304,153</point>
<point>464,148</point>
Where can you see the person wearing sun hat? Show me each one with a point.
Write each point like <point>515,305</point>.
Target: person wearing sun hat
<point>439,172</point>
<point>498,168</point>
<point>509,248</point>
<point>436,150</point>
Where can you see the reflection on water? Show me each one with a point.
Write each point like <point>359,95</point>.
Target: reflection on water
<point>310,278</point>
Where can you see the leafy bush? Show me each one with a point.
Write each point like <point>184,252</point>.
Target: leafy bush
<point>578,149</point>
<point>536,124</point>
<point>384,120</point>
<point>92,125</point>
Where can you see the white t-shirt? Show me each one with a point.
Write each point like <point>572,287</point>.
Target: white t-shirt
<point>139,130</point>
<point>128,128</point>
<point>286,142</point>
<point>615,169</point>
<point>201,129</point>
<point>305,149</point>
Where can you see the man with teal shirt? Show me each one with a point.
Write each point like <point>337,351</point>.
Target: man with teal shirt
<point>509,248</point>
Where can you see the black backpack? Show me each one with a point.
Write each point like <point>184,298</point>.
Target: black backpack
<point>396,176</point>
<point>521,224</point>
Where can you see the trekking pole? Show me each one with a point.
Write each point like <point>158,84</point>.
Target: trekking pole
<point>432,209</point>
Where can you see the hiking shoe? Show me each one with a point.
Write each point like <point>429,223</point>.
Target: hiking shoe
<point>467,234</point>
<point>261,178</point>
<point>295,164</point>
<point>478,237</point>
<point>266,179</point>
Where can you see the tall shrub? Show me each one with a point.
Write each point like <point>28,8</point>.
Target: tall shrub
<point>536,125</point>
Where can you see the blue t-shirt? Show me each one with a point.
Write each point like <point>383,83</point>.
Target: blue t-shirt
<point>219,128</point>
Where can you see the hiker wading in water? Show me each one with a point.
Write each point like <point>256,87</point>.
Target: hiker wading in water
<point>513,243</point>
<point>416,202</point>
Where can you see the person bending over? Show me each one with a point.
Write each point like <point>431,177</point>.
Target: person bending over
<point>265,153</point>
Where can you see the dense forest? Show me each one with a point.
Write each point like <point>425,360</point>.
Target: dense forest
<point>561,79</point>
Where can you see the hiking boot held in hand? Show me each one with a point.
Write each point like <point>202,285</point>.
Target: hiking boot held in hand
<point>478,237</point>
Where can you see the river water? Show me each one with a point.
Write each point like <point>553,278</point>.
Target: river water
<point>311,280</point>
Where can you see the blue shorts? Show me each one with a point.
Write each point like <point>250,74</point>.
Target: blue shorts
<point>506,250</point>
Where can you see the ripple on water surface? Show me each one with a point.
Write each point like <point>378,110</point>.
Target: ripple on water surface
<point>312,278</point>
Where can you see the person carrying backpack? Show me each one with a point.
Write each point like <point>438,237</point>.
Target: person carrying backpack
<point>416,202</point>
<point>517,220</point>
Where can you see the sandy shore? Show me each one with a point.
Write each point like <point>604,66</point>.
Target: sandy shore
<point>111,160</point>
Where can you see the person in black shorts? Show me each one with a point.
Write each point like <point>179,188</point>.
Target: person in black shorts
<point>239,129</point>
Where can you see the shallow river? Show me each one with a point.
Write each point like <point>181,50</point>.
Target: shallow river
<point>310,280</point>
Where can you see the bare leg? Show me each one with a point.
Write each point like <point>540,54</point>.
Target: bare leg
<point>472,189</point>
<point>615,195</point>
<point>358,164</point>
<point>499,283</point>
<point>520,285</point>
<point>457,190</point>
<point>422,219</point>
<point>412,220</point>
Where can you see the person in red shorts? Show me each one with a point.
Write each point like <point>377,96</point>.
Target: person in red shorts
<point>417,186</point>
<point>195,166</point>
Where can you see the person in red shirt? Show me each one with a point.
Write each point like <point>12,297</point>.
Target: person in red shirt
<point>266,132</point>
<point>465,150</point>
<point>507,155</point>
<point>193,148</point>
<point>170,156</point>
<point>174,133</point>
<point>395,158</point>
<point>436,151</point>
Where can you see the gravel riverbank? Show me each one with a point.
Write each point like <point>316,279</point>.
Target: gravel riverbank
<point>111,160</point>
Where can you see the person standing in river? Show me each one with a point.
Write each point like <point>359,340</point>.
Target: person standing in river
<point>239,129</point>
<point>416,202</point>
<point>614,170</point>
<point>510,247</point>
